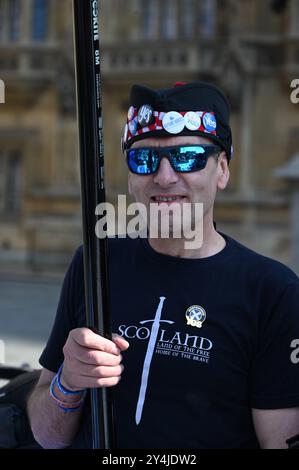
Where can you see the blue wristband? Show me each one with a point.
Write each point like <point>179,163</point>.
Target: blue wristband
<point>63,405</point>
<point>64,390</point>
<point>68,410</point>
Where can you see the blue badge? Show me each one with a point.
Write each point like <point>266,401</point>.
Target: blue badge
<point>131,113</point>
<point>209,122</point>
<point>133,126</point>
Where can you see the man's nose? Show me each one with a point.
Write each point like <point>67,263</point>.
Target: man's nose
<point>166,174</point>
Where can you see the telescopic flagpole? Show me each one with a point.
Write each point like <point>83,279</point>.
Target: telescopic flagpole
<point>89,110</point>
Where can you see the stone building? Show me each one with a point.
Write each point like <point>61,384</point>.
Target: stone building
<point>243,46</point>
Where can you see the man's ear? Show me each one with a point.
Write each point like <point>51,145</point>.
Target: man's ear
<point>223,176</point>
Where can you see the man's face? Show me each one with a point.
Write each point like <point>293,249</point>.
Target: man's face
<point>199,186</point>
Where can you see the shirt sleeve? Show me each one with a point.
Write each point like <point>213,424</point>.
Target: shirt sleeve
<point>71,297</point>
<point>275,381</point>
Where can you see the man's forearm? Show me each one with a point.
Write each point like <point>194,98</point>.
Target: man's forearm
<point>52,427</point>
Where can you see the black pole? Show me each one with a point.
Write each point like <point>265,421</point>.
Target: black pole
<point>89,109</point>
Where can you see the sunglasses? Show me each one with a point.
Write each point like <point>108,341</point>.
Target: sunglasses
<point>183,159</point>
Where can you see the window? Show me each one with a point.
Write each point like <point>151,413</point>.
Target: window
<point>2,179</point>
<point>295,16</point>
<point>208,19</point>
<point>40,14</point>
<point>188,19</point>
<point>10,182</point>
<point>13,184</point>
<point>14,19</point>
<point>150,19</point>
<point>2,23</point>
<point>169,19</point>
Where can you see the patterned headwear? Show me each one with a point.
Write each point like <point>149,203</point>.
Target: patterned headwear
<point>187,109</point>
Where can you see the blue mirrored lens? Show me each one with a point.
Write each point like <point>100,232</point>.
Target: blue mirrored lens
<point>139,161</point>
<point>146,161</point>
<point>187,159</point>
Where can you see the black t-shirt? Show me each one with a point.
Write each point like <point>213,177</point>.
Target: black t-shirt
<point>209,340</point>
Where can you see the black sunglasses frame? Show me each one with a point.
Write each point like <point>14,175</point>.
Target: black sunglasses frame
<point>165,152</point>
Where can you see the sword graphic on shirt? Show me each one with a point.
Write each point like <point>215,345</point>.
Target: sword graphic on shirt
<point>148,360</point>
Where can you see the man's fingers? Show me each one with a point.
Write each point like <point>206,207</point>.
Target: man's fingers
<point>97,358</point>
<point>120,342</point>
<point>88,339</point>
<point>102,372</point>
<point>111,382</point>
<point>93,382</point>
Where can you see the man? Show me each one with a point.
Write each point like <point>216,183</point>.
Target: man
<point>203,335</point>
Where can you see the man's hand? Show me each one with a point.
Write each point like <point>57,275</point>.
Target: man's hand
<point>91,361</point>
<point>274,427</point>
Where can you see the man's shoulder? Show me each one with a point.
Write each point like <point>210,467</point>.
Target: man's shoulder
<point>260,265</point>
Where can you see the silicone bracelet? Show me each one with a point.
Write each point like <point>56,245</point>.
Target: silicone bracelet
<point>63,405</point>
<point>64,390</point>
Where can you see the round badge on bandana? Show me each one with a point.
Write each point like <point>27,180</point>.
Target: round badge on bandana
<point>125,135</point>
<point>173,122</point>
<point>192,121</point>
<point>145,115</point>
<point>131,113</point>
<point>209,122</point>
<point>133,126</point>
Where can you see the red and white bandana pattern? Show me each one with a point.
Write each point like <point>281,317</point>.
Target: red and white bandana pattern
<point>133,128</point>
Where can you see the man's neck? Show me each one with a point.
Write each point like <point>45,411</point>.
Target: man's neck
<point>212,244</point>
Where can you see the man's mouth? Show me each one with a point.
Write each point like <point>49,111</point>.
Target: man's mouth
<point>168,199</point>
